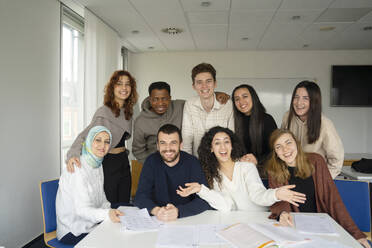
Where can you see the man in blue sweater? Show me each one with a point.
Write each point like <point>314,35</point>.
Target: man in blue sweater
<point>163,172</point>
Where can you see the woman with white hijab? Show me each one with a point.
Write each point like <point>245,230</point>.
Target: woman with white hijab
<point>81,202</point>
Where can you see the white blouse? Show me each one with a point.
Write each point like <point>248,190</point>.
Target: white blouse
<point>244,192</point>
<point>81,202</point>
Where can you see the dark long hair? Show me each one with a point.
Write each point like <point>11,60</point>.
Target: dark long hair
<point>256,125</point>
<point>314,115</point>
<point>109,98</point>
<point>207,158</point>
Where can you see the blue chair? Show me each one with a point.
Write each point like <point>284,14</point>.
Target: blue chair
<point>356,197</point>
<point>48,193</point>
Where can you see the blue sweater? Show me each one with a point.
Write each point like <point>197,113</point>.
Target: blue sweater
<point>158,184</point>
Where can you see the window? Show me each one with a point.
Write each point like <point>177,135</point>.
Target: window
<point>72,78</point>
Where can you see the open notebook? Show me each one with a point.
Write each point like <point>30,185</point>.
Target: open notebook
<point>257,235</point>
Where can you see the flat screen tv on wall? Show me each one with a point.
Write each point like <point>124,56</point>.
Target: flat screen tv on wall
<point>351,85</point>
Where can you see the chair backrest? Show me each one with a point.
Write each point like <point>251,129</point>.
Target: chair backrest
<point>48,193</point>
<point>136,172</point>
<point>356,197</point>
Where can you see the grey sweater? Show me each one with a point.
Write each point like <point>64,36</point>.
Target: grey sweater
<point>103,117</point>
<point>147,124</point>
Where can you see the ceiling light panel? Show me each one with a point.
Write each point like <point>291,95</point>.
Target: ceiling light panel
<point>305,4</point>
<point>216,5</point>
<point>255,4</point>
<point>342,15</point>
<point>208,17</point>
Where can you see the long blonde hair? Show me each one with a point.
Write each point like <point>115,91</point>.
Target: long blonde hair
<point>277,169</point>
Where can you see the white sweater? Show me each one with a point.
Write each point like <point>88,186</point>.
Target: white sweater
<point>244,192</point>
<point>81,202</point>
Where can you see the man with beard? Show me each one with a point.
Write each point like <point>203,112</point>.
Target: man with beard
<point>163,173</point>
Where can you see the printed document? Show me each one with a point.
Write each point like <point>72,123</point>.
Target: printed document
<point>311,224</point>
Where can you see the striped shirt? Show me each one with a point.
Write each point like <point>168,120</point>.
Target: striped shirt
<point>196,121</point>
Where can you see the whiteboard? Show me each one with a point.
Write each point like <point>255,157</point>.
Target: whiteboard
<point>274,93</point>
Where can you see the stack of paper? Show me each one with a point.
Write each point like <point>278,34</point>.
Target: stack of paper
<point>138,220</point>
<point>311,224</point>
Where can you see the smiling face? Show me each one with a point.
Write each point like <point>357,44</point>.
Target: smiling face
<point>122,89</point>
<point>169,147</point>
<point>301,103</point>
<point>243,101</point>
<point>221,147</point>
<point>159,100</point>
<point>204,85</point>
<point>286,149</point>
<point>101,144</point>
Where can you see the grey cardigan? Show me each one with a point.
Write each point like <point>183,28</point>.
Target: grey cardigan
<point>103,117</point>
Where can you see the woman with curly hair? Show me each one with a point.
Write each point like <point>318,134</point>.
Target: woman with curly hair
<point>288,164</point>
<point>233,185</point>
<point>116,114</point>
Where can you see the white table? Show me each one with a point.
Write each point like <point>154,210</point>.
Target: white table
<point>349,172</point>
<point>108,234</point>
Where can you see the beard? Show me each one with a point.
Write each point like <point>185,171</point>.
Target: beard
<point>170,159</point>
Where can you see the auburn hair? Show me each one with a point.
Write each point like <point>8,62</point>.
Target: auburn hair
<point>109,98</point>
<point>277,169</point>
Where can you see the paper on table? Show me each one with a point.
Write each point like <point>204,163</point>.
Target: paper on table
<point>311,224</point>
<point>281,234</point>
<point>244,236</point>
<point>138,220</point>
<point>207,234</point>
<point>189,236</point>
<point>176,236</point>
<point>316,243</point>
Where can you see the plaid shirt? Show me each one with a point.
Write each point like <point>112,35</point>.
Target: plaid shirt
<point>196,121</point>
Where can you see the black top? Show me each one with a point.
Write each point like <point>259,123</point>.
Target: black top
<point>305,186</point>
<point>268,127</point>
<point>122,141</point>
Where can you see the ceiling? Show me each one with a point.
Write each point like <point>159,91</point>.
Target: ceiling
<point>238,24</point>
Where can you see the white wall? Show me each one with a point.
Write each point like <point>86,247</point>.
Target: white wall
<point>354,125</point>
<point>29,107</point>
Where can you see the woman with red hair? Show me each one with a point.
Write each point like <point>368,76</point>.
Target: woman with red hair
<point>116,114</point>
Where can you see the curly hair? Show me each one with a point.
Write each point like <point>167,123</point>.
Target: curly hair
<point>278,169</point>
<point>109,98</point>
<point>207,158</point>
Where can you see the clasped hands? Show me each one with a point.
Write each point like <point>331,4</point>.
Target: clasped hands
<point>166,213</point>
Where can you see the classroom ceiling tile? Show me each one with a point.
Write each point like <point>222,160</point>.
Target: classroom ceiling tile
<point>237,24</point>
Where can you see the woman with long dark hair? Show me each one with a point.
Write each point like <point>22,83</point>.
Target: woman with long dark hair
<point>252,124</point>
<point>116,114</point>
<point>233,185</point>
<point>315,132</point>
<point>288,164</point>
